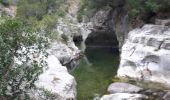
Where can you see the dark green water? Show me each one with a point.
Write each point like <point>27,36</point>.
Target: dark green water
<point>95,79</point>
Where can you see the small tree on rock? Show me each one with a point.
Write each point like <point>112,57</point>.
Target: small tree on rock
<point>21,59</point>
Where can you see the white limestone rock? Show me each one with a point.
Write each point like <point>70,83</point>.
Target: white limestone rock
<point>57,81</point>
<point>124,96</point>
<point>67,54</point>
<point>146,54</point>
<point>120,87</point>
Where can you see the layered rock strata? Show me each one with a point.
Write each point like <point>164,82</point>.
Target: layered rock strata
<point>146,54</point>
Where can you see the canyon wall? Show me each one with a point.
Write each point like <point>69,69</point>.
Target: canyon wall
<point>145,55</point>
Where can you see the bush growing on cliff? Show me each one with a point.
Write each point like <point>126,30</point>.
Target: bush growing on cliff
<point>8,2</point>
<point>40,14</point>
<point>137,7</point>
<point>19,69</point>
<point>133,7</point>
<point>89,7</point>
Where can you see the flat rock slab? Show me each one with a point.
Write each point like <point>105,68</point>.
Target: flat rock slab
<point>124,96</point>
<point>119,87</point>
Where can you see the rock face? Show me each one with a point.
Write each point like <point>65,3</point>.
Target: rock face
<point>126,91</point>
<point>146,54</point>
<point>68,55</point>
<point>113,21</point>
<point>9,11</point>
<point>124,96</point>
<point>55,83</point>
<point>119,87</point>
<point>56,80</point>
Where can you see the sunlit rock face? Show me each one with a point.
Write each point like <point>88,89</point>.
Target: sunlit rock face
<point>146,54</point>
<point>56,77</point>
<point>68,55</point>
<point>57,81</point>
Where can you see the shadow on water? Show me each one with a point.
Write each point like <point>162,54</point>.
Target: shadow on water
<point>94,79</point>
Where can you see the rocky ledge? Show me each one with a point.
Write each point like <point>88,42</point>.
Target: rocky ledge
<point>146,55</point>
<point>127,91</point>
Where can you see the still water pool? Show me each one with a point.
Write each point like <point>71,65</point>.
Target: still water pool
<point>94,79</point>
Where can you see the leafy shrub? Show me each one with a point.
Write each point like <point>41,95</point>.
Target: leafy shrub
<point>89,7</point>
<point>133,7</point>
<point>21,45</point>
<point>8,2</point>
<point>37,13</point>
<point>138,7</point>
<point>65,38</point>
<point>48,95</point>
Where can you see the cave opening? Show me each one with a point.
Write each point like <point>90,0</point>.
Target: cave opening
<point>103,53</point>
<point>103,40</point>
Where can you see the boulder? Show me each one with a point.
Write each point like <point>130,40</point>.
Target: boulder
<point>124,96</point>
<point>146,55</point>
<point>68,55</point>
<point>119,87</point>
<point>55,81</point>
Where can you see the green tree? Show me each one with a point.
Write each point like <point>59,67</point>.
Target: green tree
<point>21,59</point>
<point>89,7</point>
<point>139,7</point>
<point>40,14</point>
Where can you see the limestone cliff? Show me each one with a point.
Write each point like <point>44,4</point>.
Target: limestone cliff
<point>145,55</point>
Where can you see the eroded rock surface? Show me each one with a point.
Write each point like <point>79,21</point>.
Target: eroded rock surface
<point>68,55</point>
<point>146,54</point>
<point>119,87</point>
<point>57,81</point>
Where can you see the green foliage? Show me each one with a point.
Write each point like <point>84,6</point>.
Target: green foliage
<point>138,7</point>
<point>47,24</point>
<point>133,7</point>
<point>21,45</point>
<point>40,14</point>
<point>89,7</point>
<point>27,9</point>
<point>2,19</point>
<point>8,2</point>
<point>64,38</point>
<point>48,95</point>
